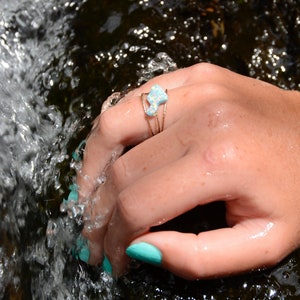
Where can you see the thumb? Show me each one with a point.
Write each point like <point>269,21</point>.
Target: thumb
<point>213,253</point>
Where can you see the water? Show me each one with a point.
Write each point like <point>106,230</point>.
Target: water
<point>59,60</point>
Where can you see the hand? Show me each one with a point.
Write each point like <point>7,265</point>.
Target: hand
<point>227,137</point>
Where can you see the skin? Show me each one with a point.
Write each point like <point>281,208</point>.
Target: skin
<point>227,137</point>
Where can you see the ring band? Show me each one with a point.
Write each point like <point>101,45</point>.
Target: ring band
<point>151,102</point>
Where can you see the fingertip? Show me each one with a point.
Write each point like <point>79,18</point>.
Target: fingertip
<point>73,195</point>
<point>78,153</point>
<point>80,250</point>
<point>106,265</point>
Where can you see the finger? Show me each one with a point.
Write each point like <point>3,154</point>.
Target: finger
<point>138,162</point>
<point>145,158</point>
<point>135,163</point>
<point>95,239</point>
<point>125,123</point>
<point>97,213</point>
<point>152,200</point>
<point>247,246</point>
<point>121,126</point>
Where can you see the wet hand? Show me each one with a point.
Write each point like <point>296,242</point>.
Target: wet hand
<point>226,137</point>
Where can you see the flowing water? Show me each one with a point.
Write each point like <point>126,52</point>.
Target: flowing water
<point>59,60</point>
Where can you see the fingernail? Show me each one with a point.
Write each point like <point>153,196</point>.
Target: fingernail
<point>106,265</point>
<point>73,195</point>
<point>145,252</point>
<point>81,250</point>
<point>77,154</point>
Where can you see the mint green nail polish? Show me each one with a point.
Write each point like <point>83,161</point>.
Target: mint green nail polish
<point>106,265</point>
<point>84,254</point>
<point>81,250</point>
<point>145,252</point>
<point>73,195</point>
<point>77,154</point>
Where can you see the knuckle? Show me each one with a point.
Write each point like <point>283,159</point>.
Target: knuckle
<point>127,207</point>
<point>118,173</point>
<point>205,70</point>
<point>107,125</point>
<point>215,92</point>
<point>226,145</point>
<point>221,153</point>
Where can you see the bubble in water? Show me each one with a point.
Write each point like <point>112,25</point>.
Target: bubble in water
<point>33,142</point>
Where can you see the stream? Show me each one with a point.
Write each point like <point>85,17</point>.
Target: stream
<point>59,60</point>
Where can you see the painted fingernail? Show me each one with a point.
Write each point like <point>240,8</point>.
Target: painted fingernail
<point>106,265</point>
<point>81,250</point>
<point>73,195</point>
<point>145,252</point>
<point>77,154</point>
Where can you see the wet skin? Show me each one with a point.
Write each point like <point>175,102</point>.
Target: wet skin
<point>233,139</point>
